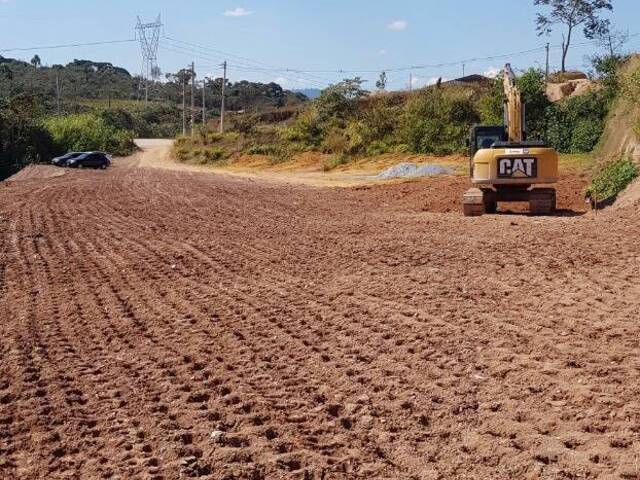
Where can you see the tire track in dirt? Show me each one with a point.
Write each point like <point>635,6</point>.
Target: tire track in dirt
<point>337,333</point>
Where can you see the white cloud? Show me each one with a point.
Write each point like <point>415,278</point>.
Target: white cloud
<point>237,12</point>
<point>382,51</point>
<point>492,72</point>
<point>398,25</point>
<point>281,81</point>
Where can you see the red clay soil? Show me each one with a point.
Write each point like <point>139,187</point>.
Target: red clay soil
<point>161,324</point>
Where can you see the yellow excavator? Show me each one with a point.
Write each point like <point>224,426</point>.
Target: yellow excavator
<point>505,166</point>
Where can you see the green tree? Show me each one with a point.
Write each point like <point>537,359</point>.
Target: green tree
<point>572,14</point>
<point>437,121</point>
<point>6,74</point>
<point>533,89</point>
<point>381,84</point>
<point>23,140</point>
<point>36,62</point>
<point>534,96</point>
<point>340,101</point>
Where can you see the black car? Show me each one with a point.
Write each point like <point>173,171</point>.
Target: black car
<point>90,160</point>
<point>64,159</point>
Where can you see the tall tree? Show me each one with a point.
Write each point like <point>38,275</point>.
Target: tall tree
<point>572,14</point>
<point>36,62</point>
<point>381,84</point>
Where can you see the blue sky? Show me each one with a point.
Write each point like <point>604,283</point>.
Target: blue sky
<point>318,36</point>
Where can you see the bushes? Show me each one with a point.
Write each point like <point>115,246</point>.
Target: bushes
<point>307,129</point>
<point>87,132</point>
<point>576,125</point>
<point>586,134</point>
<point>532,86</point>
<point>334,161</point>
<point>23,140</point>
<point>263,150</point>
<point>613,179</point>
<point>150,121</point>
<point>437,122</point>
<point>205,147</point>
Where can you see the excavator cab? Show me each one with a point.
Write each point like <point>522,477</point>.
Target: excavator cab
<point>484,136</point>
<point>505,167</point>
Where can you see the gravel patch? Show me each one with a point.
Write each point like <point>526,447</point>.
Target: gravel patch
<point>411,170</point>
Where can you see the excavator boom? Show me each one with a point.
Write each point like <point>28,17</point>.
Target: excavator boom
<point>514,118</point>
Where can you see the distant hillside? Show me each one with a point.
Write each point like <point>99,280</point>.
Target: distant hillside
<point>84,80</point>
<point>310,93</point>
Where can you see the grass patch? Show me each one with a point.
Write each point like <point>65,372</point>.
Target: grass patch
<point>263,150</point>
<point>613,179</point>
<point>576,161</point>
<point>186,150</point>
<point>334,161</point>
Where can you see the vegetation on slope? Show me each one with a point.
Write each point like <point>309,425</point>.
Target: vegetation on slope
<point>101,109</point>
<point>83,80</point>
<point>23,139</point>
<point>619,147</point>
<point>346,121</point>
<point>89,132</point>
<point>612,179</point>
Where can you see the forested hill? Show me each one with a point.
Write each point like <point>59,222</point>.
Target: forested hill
<point>85,80</point>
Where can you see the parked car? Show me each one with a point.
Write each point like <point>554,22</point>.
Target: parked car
<point>64,159</point>
<point>90,160</point>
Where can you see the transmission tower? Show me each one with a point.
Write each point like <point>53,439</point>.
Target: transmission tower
<point>148,34</point>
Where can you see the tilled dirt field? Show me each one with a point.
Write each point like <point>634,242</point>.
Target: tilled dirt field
<point>160,324</point>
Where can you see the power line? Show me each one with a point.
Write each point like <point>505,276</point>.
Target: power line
<point>240,67</point>
<point>69,45</point>
<point>263,67</point>
<point>257,65</point>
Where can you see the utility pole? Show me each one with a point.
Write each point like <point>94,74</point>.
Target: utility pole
<point>204,102</point>
<point>193,104</point>
<point>184,102</point>
<point>546,75</point>
<point>464,67</point>
<point>222,103</point>
<point>58,92</point>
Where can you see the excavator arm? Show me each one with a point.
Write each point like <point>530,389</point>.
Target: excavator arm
<point>513,109</point>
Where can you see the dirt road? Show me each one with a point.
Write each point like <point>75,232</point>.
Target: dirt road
<point>164,324</point>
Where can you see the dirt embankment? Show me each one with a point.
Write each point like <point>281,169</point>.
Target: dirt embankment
<point>305,168</point>
<point>621,135</point>
<point>36,172</point>
<point>171,324</point>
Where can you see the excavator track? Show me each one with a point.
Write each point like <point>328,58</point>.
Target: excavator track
<point>542,201</point>
<point>478,201</point>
